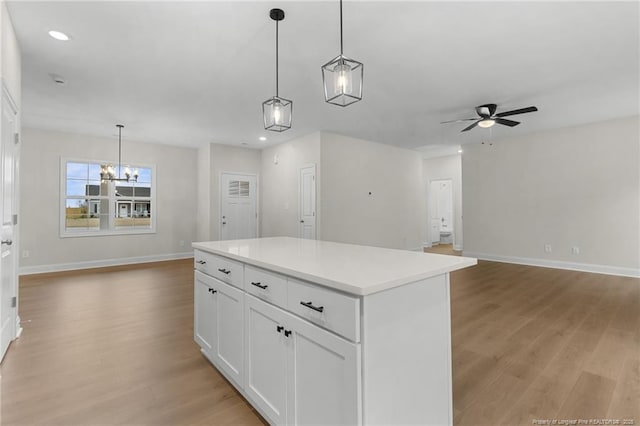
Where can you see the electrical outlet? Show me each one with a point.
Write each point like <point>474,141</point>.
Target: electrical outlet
<point>181,243</point>
<point>547,248</point>
<point>25,254</point>
<point>575,250</point>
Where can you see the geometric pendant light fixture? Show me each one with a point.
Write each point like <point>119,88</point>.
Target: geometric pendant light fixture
<point>342,77</point>
<point>107,171</point>
<point>276,111</point>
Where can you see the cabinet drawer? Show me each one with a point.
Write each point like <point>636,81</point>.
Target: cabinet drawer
<point>222,268</point>
<point>332,310</point>
<point>266,285</point>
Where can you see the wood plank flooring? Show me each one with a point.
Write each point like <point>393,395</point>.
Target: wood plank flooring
<point>114,346</point>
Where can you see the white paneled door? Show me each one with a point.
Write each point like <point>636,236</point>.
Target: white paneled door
<point>308,202</point>
<point>238,206</point>
<point>9,140</point>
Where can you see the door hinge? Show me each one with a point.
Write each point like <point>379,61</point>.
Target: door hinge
<point>14,302</point>
<point>15,219</point>
<point>16,138</point>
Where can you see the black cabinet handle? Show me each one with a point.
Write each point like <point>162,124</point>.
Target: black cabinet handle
<point>310,306</point>
<point>224,271</point>
<point>212,291</point>
<point>287,333</point>
<point>279,328</point>
<point>264,287</point>
<point>202,262</point>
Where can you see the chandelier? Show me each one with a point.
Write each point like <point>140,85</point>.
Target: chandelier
<point>107,171</point>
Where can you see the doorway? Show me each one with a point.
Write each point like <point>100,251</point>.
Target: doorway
<point>442,216</point>
<point>8,160</point>
<point>238,206</point>
<point>307,197</point>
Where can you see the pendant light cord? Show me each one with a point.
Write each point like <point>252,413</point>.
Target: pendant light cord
<point>119,150</point>
<point>276,58</point>
<point>341,47</point>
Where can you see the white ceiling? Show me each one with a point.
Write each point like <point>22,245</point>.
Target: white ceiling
<point>191,73</point>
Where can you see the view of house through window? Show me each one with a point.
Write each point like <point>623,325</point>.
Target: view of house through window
<point>92,206</point>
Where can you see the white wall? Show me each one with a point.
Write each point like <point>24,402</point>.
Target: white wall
<point>279,185</point>
<point>449,167</point>
<point>393,215</point>
<point>225,158</point>
<point>203,224</point>
<point>175,207</point>
<point>577,186</point>
<point>10,61</point>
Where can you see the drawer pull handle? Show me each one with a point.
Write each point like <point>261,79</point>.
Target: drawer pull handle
<point>279,328</point>
<point>201,262</point>
<point>310,306</point>
<point>212,291</point>
<point>224,271</point>
<point>287,333</point>
<point>264,287</point>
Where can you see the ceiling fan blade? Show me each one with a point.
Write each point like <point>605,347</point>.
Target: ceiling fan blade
<point>517,111</point>
<point>470,127</point>
<point>457,121</point>
<point>506,122</point>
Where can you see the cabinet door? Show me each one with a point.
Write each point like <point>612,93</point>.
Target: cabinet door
<point>266,358</point>
<point>228,354</point>
<point>323,376</point>
<point>204,309</point>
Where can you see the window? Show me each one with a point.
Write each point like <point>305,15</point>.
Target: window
<point>92,207</point>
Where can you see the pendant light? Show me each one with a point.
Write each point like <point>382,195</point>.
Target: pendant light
<point>276,111</point>
<point>342,77</point>
<point>108,173</point>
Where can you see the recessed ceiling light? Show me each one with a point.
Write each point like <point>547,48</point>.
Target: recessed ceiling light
<point>58,35</point>
<point>262,138</point>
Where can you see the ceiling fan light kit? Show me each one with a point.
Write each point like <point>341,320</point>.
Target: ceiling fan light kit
<point>277,111</point>
<point>342,77</point>
<point>487,117</point>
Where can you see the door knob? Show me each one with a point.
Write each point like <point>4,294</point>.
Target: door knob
<point>302,221</point>
<point>224,223</point>
<point>7,242</point>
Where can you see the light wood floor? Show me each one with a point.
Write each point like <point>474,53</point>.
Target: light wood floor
<point>114,346</point>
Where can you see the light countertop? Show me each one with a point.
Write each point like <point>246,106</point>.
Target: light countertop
<point>358,270</point>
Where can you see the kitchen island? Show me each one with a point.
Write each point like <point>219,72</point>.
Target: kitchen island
<point>316,332</point>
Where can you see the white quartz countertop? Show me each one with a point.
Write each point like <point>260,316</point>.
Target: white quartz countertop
<point>359,270</point>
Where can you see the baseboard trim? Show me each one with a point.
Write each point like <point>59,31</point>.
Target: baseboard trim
<point>457,248</point>
<point>40,269</point>
<point>558,264</point>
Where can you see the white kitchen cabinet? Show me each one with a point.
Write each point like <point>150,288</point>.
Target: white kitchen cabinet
<point>204,329</point>
<point>228,353</point>
<point>218,325</point>
<point>266,360</point>
<point>297,373</point>
<point>323,380</point>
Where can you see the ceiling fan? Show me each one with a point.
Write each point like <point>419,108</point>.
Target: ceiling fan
<point>487,117</point>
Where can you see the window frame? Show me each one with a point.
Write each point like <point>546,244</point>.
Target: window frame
<point>64,233</point>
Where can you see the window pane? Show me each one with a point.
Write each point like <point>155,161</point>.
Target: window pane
<point>77,171</point>
<point>144,175</point>
<point>142,191</point>
<point>76,187</point>
<point>94,171</point>
<point>95,188</point>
